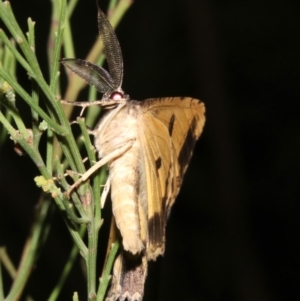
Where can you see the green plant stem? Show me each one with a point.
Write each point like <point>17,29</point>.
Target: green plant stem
<point>15,52</point>
<point>53,30</point>
<point>99,179</point>
<point>111,7</point>
<point>30,34</point>
<point>17,118</point>
<point>8,61</point>
<point>7,124</point>
<point>1,51</point>
<point>9,20</point>
<point>78,240</point>
<point>35,156</point>
<point>57,46</point>
<point>60,130</point>
<point>1,284</point>
<point>84,217</point>
<point>71,6</point>
<point>105,278</point>
<point>92,260</point>
<point>68,144</point>
<point>3,132</point>
<point>86,201</point>
<point>35,116</point>
<point>72,216</point>
<point>95,225</point>
<point>87,141</point>
<point>8,264</point>
<point>29,253</point>
<point>69,50</point>
<point>75,296</point>
<point>32,152</point>
<point>49,152</point>
<point>66,271</point>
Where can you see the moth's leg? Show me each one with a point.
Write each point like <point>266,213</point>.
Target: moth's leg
<point>117,152</point>
<point>101,102</point>
<point>85,104</point>
<point>82,104</point>
<point>69,172</point>
<point>105,191</point>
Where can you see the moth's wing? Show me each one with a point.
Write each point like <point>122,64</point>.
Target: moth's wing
<point>184,117</point>
<point>156,179</point>
<point>169,129</point>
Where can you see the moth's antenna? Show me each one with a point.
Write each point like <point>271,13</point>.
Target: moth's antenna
<point>112,48</point>
<point>94,75</point>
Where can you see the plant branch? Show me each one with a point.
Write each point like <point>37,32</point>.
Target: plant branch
<point>105,278</point>
<point>57,47</point>
<point>26,97</point>
<point>8,264</point>
<point>11,46</point>
<point>29,252</point>
<point>1,284</point>
<point>66,271</point>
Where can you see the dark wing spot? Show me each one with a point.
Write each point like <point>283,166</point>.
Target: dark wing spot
<point>156,229</point>
<point>178,182</point>
<point>187,147</point>
<point>157,223</point>
<point>157,165</point>
<point>171,125</point>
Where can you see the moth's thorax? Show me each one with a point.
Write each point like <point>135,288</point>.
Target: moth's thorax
<point>117,126</point>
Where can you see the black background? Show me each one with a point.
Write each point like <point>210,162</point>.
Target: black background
<point>234,230</point>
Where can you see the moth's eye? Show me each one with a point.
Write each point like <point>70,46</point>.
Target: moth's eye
<point>116,95</point>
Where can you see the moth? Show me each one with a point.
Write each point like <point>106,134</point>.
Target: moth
<point>147,146</point>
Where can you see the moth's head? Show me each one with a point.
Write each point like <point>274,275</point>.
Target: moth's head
<point>115,96</point>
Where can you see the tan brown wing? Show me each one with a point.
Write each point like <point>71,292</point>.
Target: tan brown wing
<point>155,182</point>
<point>185,124</point>
<point>169,128</point>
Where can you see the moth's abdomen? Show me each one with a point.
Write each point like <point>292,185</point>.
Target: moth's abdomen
<point>124,194</point>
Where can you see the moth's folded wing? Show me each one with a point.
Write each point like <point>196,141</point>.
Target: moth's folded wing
<point>156,179</point>
<point>169,129</point>
<point>184,117</point>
